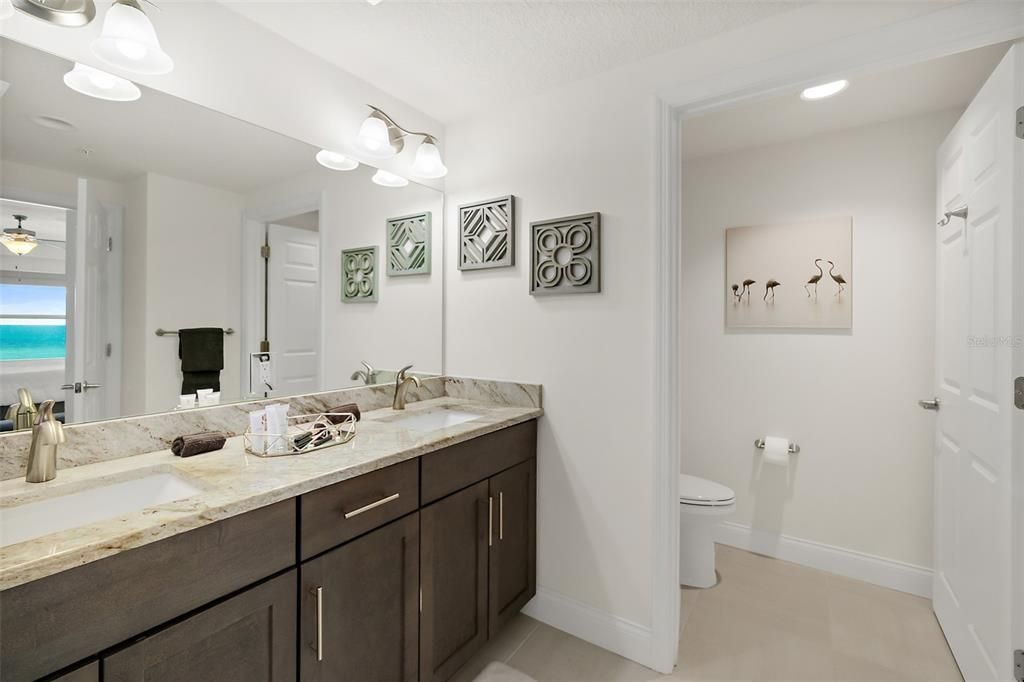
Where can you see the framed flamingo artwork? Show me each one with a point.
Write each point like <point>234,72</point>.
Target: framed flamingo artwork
<point>790,275</point>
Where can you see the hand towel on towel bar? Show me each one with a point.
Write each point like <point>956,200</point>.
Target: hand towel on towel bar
<point>202,358</point>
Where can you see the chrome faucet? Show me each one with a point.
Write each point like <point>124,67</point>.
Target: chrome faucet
<point>402,382</point>
<point>368,376</point>
<point>47,434</point>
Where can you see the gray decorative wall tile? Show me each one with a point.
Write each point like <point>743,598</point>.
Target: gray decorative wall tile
<point>565,255</point>
<point>487,234</point>
<point>359,275</point>
<point>409,245</point>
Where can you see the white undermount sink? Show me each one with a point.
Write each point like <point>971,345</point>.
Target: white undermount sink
<point>433,419</point>
<point>62,512</point>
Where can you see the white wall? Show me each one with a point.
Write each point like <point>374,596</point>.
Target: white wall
<point>863,479</point>
<point>182,270</point>
<point>404,326</point>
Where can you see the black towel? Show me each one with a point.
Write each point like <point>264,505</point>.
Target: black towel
<point>202,358</point>
<point>351,408</point>
<point>198,443</point>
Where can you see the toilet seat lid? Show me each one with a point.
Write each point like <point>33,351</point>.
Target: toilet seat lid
<point>694,490</point>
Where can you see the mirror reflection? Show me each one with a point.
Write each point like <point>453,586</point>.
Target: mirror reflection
<point>158,255</point>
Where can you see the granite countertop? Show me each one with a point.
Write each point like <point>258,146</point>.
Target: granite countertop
<point>232,482</point>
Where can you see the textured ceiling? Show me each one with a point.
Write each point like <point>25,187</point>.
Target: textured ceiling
<point>453,59</point>
<point>936,85</point>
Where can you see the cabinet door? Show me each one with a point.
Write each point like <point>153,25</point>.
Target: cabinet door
<point>248,638</point>
<point>360,608</point>
<point>513,563</point>
<point>453,573</point>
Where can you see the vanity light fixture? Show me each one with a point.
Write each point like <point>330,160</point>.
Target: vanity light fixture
<point>67,13</point>
<point>18,240</point>
<point>128,41</point>
<point>428,160</point>
<point>6,9</point>
<point>386,179</point>
<point>380,137</point>
<point>100,84</point>
<point>335,161</point>
<point>824,90</point>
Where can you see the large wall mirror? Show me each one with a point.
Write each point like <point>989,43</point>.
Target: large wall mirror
<point>181,252</point>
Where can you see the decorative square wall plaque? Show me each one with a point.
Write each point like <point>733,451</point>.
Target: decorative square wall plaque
<point>359,275</point>
<point>409,245</point>
<point>790,275</point>
<point>487,234</point>
<point>565,255</point>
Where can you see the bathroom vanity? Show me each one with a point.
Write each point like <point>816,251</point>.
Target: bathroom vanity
<point>393,557</point>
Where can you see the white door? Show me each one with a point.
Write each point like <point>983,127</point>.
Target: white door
<point>293,310</point>
<point>93,367</point>
<point>974,572</point>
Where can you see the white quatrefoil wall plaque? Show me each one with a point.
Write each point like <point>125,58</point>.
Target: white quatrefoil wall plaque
<point>565,255</point>
<point>359,275</point>
<point>409,245</point>
<point>487,234</point>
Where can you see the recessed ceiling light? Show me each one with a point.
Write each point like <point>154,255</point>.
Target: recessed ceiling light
<point>335,161</point>
<point>53,123</point>
<point>386,179</point>
<point>824,90</point>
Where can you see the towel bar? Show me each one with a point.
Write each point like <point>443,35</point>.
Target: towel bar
<point>793,447</point>
<point>174,332</point>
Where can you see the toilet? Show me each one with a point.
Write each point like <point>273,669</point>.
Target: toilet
<point>702,504</point>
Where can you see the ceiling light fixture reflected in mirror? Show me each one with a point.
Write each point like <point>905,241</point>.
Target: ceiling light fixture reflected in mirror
<point>6,9</point>
<point>824,90</point>
<point>100,84</point>
<point>128,41</point>
<point>428,161</point>
<point>386,179</point>
<point>67,13</point>
<point>18,240</point>
<point>335,161</point>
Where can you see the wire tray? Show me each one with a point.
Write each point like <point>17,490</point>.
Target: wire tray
<point>325,432</point>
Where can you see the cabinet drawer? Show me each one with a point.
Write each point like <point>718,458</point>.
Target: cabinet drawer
<point>338,513</point>
<point>44,621</point>
<point>464,464</point>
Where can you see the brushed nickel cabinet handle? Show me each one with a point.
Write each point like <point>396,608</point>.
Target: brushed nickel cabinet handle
<point>319,646</point>
<point>372,505</point>
<point>490,521</point>
<point>501,516</point>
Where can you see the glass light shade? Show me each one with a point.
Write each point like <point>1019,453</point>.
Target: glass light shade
<point>374,138</point>
<point>386,179</point>
<point>824,90</point>
<point>19,242</point>
<point>6,9</point>
<point>129,42</point>
<point>428,162</point>
<point>335,161</point>
<point>100,84</point>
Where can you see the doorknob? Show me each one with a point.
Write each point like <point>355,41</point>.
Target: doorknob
<point>86,385</point>
<point>80,386</point>
<point>932,404</point>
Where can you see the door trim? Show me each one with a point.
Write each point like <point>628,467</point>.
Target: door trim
<point>942,32</point>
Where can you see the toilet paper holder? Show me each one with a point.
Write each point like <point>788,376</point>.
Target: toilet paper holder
<point>793,447</point>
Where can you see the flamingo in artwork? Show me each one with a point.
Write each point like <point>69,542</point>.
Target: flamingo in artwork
<point>769,287</point>
<point>815,279</point>
<point>838,279</point>
<point>746,287</point>
<point>735,291</point>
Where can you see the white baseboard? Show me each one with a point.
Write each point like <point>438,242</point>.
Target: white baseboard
<point>623,637</point>
<point>896,575</point>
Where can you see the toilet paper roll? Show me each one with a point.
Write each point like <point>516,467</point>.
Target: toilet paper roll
<point>776,451</point>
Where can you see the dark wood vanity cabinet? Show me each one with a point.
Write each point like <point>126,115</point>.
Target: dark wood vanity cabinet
<point>247,638</point>
<point>360,608</point>
<point>397,575</point>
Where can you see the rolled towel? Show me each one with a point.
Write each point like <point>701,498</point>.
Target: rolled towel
<point>198,443</point>
<point>348,407</point>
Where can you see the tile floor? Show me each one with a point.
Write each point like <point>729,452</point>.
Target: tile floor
<point>765,620</point>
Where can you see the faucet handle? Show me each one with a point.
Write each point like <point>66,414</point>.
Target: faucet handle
<point>50,429</point>
<point>401,372</point>
<point>369,369</point>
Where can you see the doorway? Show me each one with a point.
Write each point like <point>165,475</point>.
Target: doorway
<point>670,213</point>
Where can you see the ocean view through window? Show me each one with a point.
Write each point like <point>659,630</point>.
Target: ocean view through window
<point>32,322</point>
